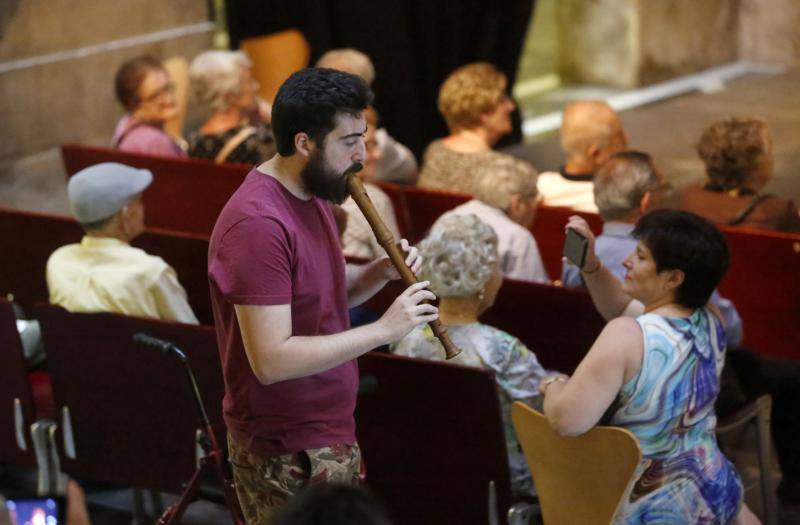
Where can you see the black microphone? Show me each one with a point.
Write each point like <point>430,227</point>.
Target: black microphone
<point>165,347</point>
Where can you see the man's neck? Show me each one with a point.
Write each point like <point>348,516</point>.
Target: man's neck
<point>286,170</point>
<point>578,166</point>
<point>112,233</point>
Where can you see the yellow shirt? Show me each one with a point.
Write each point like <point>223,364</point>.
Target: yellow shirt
<point>108,275</point>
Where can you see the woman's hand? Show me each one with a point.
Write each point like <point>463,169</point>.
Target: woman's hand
<point>549,380</point>
<point>591,264</point>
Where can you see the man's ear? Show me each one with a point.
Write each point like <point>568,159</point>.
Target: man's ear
<point>646,203</point>
<point>303,144</point>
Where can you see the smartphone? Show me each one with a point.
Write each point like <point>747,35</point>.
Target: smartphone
<point>45,510</point>
<point>575,247</point>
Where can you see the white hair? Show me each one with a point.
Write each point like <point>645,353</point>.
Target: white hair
<point>621,183</point>
<point>216,74</point>
<point>459,255</point>
<point>499,180</point>
<point>350,61</point>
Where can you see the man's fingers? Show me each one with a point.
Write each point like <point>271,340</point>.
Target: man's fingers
<point>422,295</point>
<point>414,288</point>
<point>426,309</point>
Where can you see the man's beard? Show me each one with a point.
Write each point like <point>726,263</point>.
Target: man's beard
<point>323,182</point>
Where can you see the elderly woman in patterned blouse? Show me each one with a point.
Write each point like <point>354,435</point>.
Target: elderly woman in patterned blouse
<point>238,130</point>
<point>460,261</point>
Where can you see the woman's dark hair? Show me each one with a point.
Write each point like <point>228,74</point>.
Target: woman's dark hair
<point>683,241</point>
<point>309,100</point>
<point>130,76</point>
<point>332,504</point>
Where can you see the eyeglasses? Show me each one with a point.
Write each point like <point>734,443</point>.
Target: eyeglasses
<point>169,87</point>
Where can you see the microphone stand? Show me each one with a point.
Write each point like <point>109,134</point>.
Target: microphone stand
<point>213,458</point>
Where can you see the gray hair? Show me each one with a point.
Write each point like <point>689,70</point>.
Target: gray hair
<point>621,183</point>
<point>459,255</point>
<point>350,61</point>
<point>216,74</point>
<point>496,182</point>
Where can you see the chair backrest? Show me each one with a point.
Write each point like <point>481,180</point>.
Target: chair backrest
<point>131,410</point>
<point>24,263</point>
<point>579,480</point>
<point>432,439</point>
<point>275,57</point>
<point>186,194</point>
<point>16,401</point>
<point>559,325</point>
<point>425,206</point>
<point>764,283</point>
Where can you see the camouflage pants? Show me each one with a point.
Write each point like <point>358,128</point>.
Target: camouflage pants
<point>265,483</point>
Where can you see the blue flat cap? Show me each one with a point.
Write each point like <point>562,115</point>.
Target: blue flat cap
<point>100,191</point>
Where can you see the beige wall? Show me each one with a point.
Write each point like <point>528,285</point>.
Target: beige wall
<point>770,31</point>
<point>629,43</point>
<point>71,100</point>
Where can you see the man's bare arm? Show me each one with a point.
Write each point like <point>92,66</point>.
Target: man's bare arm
<point>276,355</point>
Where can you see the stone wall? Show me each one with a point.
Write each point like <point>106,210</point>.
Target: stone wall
<point>629,43</point>
<point>57,97</point>
<point>770,31</point>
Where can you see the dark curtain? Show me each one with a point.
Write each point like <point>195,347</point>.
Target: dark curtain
<point>414,45</point>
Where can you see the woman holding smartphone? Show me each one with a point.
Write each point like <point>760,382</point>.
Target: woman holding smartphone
<point>655,369</point>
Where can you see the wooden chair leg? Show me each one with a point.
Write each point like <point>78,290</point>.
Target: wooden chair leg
<point>763,420</point>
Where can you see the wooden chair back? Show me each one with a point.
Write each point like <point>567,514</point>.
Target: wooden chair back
<point>275,57</point>
<point>579,480</point>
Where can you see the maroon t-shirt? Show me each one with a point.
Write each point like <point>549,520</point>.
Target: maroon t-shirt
<point>268,248</point>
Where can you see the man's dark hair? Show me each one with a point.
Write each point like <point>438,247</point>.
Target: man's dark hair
<point>309,100</point>
<point>683,241</point>
<point>129,78</point>
<point>333,504</point>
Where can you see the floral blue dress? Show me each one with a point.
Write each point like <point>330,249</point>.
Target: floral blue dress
<point>683,476</point>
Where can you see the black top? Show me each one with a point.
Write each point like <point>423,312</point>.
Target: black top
<point>255,149</point>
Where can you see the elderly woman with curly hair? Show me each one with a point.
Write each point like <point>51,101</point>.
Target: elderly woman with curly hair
<point>474,103</point>
<point>737,153</point>
<point>238,130</point>
<point>145,90</point>
<point>460,261</point>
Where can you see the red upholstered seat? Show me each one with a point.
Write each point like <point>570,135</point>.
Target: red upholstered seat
<point>432,438</point>
<point>15,390</point>
<point>42,391</point>
<point>186,194</point>
<point>132,414</point>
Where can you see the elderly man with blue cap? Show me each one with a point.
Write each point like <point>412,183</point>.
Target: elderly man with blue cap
<point>104,273</point>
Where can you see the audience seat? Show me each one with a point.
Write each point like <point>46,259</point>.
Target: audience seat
<point>186,194</point>
<point>129,409</point>
<point>764,283</point>
<point>24,263</point>
<point>432,439</point>
<point>579,480</point>
<point>17,399</point>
